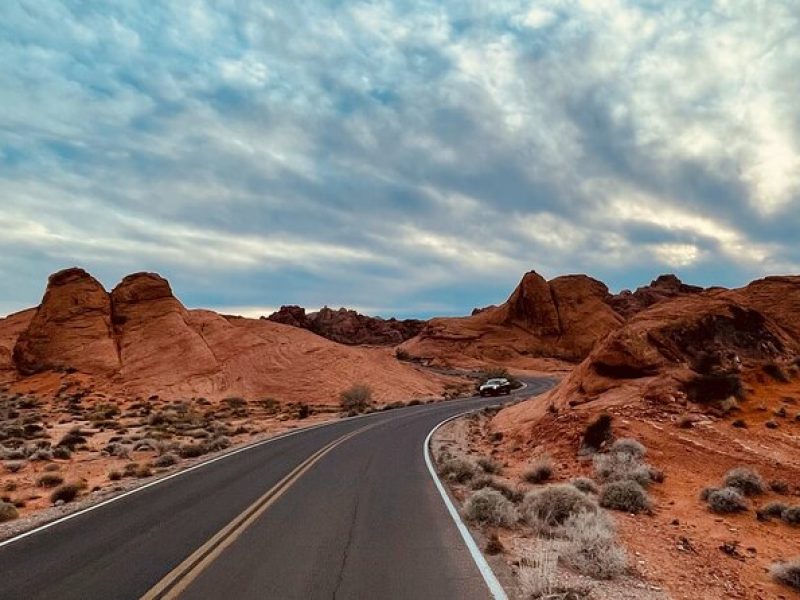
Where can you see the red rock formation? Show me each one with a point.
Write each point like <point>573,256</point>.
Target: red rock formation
<point>140,340</point>
<point>664,287</point>
<point>71,328</point>
<point>349,327</point>
<point>563,318</point>
<point>155,339</point>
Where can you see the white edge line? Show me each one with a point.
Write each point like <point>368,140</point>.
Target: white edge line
<point>497,591</point>
<point>194,467</point>
<point>160,480</point>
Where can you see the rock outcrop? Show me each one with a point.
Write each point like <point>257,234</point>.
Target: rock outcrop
<point>664,287</point>
<point>154,335</point>
<point>70,329</point>
<point>696,347</point>
<point>140,340</point>
<point>562,319</point>
<point>349,327</point>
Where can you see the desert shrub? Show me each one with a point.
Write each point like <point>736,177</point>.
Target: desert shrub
<point>551,505</point>
<point>787,573</point>
<point>51,467</point>
<point>584,484</point>
<point>114,475</point>
<point>66,493</point>
<point>771,424</point>
<point>491,507</point>
<point>355,399</point>
<point>740,423</point>
<point>772,509</point>
<point>540,470</point>
<point>625,495</point>
<point>8,512</point>
<point>629,446</point>
<point>779,486</point>
<point>143,471</point>
<point>591,547</point>
<point>747,481</point>
<point>165,460</point>
<point>50,480</point>
<point>597,433</point>
<point>776,371</point>
<point>72,439</point>
<point>489,465</point>
<point>191,450</point>
<point>62,452</point>
<point>726,500</point>
<point>401,354</point>
<point>791,515</point>
<point>621,466</point>
<point>14,466</point>
<point>300,410</point>
<point>457,469</point>
<point>217,444</point>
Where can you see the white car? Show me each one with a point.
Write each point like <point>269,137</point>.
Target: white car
<point>495,387</point>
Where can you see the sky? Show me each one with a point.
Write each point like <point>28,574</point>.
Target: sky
<point>402,158</point>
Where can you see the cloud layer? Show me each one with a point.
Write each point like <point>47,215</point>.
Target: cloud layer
<point>404,158</point>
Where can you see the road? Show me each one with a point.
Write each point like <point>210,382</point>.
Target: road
<point>347,510</point>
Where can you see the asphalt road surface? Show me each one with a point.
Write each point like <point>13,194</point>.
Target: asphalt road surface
<point>347,510</point>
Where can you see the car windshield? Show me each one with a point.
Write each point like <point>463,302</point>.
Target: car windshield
<point>495,381</point>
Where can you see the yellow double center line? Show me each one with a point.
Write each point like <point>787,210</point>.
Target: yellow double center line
<point>177,580</point>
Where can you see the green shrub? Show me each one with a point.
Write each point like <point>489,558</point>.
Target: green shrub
<point>552,505</point>
<point>489,506</point>
<point>747,481</point>
<point>625,495</point>
<point>787,573</point>
<point>726,500</point>
<point>541,470</point>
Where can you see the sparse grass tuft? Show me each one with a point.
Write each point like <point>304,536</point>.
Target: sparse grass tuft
<point>624,495</point>
<point>747,481</point>
<point>489,506</point>
<point>787,573</point>
<point>541,470</point>
<point>726,500</point>
<point>621,466</point>
<point>165,460</point>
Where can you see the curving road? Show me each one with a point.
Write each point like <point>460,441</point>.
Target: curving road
<point>347,510</point>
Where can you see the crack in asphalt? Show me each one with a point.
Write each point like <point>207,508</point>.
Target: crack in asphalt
<point>350,532</point>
